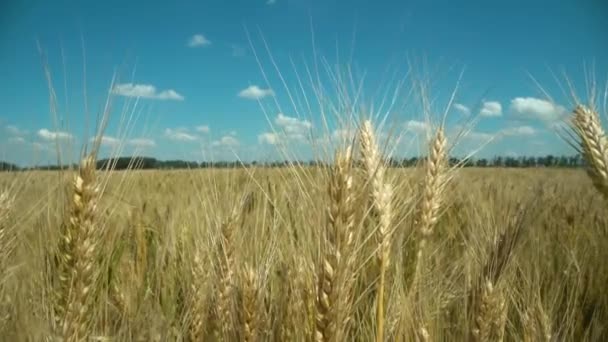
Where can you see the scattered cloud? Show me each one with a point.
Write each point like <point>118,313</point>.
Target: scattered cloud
<point>462,108</point>
<point>141,142</point>
<point>418,127</point>
<point>40,147</point>
<point>146,91</point>
<point>268,138</point>
<point>536,109</point>
<point>56,135</point>
<point>109,141</point>
<point>198,40</point>
<point>479,136</point>
<point>16,131</point>
<point>343,134</point>
<point>254,92</point>
<point>288,128</point>
<point>294,128</point>
<point>16,140</point>
<point>179,134</point>
<point>226,141</point>
<point>491,109</point>
<point>518,131</point>
<point>203,129</point>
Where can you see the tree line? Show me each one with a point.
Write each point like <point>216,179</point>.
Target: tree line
<point>149,163</point>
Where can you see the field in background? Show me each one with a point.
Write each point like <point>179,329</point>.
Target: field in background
<point>236,254</point>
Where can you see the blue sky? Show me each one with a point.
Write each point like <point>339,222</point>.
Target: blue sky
<point>188,73</point>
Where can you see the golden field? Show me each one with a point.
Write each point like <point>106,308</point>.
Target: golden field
<point>258,255</point>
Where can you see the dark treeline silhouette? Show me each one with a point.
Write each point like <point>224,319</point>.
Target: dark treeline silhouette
<point>149,163</point>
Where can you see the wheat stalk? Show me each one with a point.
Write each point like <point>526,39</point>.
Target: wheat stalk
<point>381,194</point>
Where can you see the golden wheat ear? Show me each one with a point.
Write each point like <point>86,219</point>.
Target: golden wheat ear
<point>334,288</point>
<point>381,193</point>
<point>6,204</point>
<point>80,251</point>
<point>592,145</point>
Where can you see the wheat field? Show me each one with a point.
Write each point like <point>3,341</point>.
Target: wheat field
<point>354,250</point>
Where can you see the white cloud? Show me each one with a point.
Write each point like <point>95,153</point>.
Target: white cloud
<point>107,140</point>
<point>479,136</point>
<point>142,142</point>
<point>203,129</point>
<point>343,134</point>
<point>268,138</point>
<point>288,128</point>
<point>57,135</point>
<point>416,126</point>
<point>462,108</point>
<point>198,40</point>
<point>146,91</point>
<point>518,131</point>
<point>16,140</point>
<point>227,141</point>
<point>14,130</point>
<point>533,108</point>
<point>293,127</point>
<point>179,134</point>
<point>491,108</point>
<point>40,147</point>
<point>254,92</point>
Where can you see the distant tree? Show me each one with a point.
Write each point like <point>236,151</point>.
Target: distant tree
<point>498,161</point>
<point>483,162</point>
<point>4,166</point>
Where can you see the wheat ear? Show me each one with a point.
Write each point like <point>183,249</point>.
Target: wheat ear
<point>6,243</point>
<point>335,278</point>
<point>250,304</point>
<point>84,242</point>
<point>491,314</point>
<point>592,145</point>
<point>226,276</point>
<point>199,298</point>
<point>434,185</point>
<point>381,194</point>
